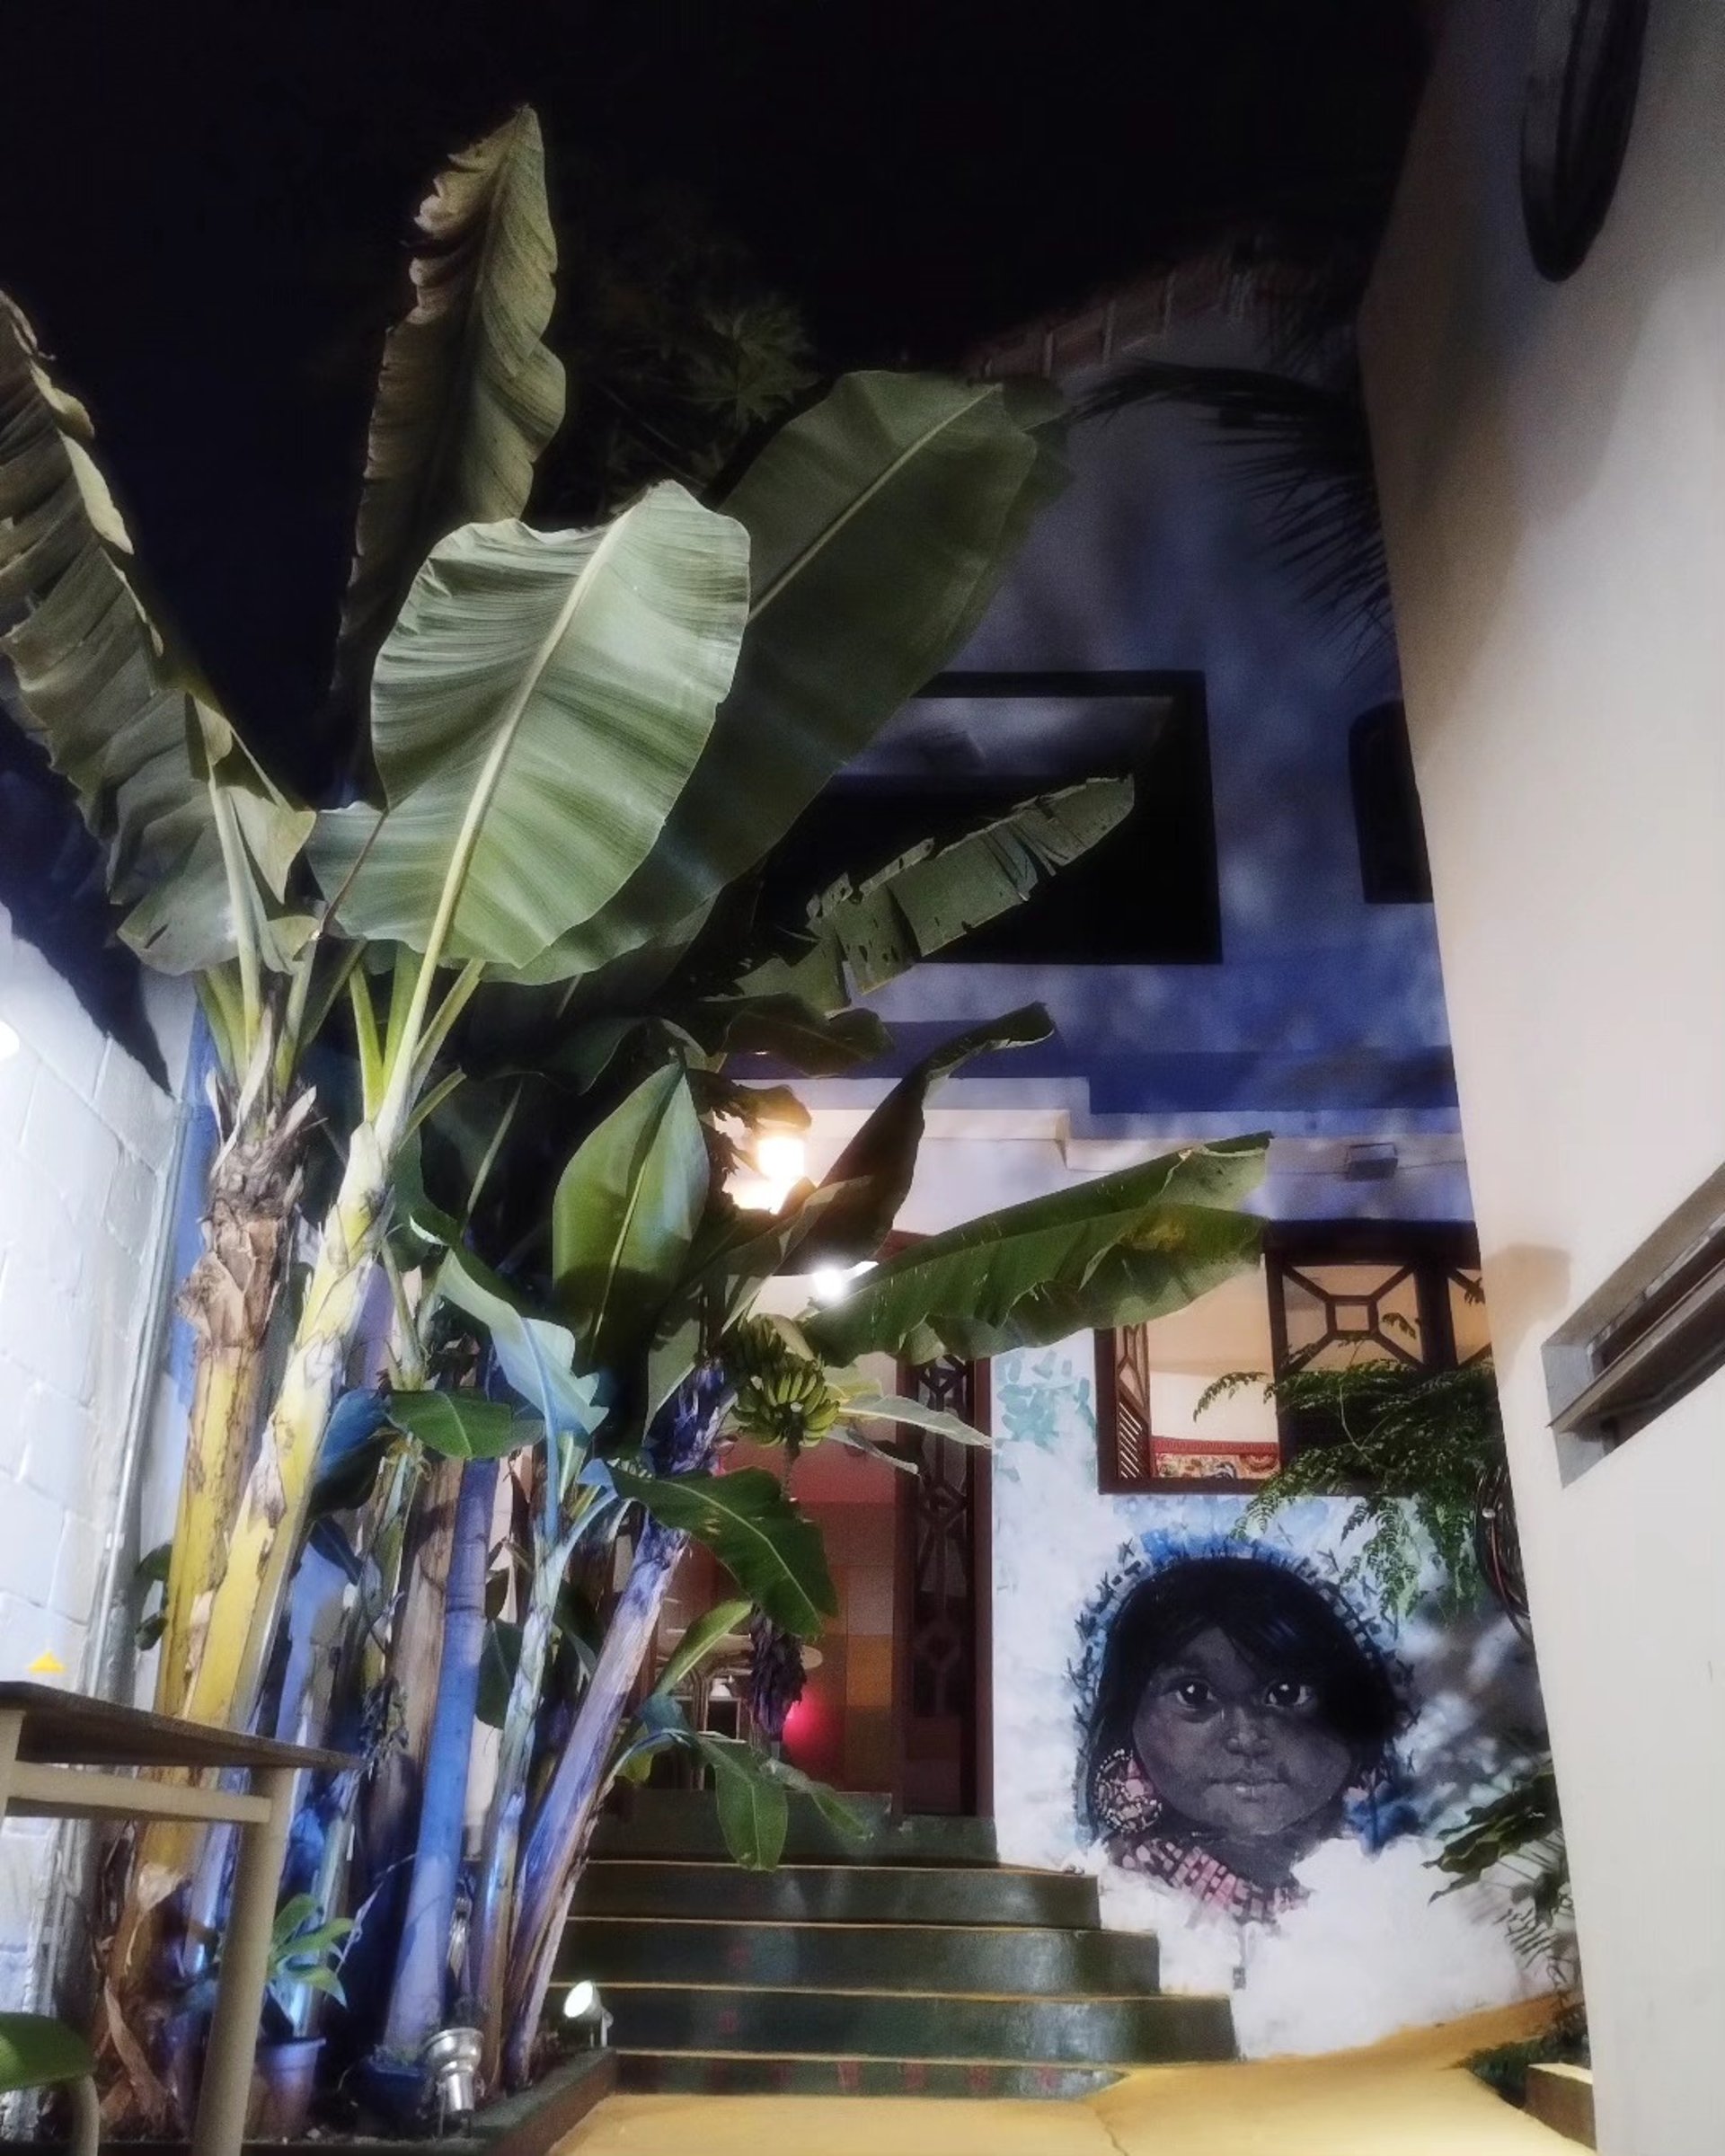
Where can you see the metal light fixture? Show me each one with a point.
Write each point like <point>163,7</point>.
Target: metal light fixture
<point>452,2059</point>
<point>585,2011</point>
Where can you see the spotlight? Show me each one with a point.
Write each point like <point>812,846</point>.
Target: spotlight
<point>584,2010</point>
<point>452,2059</point>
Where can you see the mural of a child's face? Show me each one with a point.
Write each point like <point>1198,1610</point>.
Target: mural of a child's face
<point>1239,1749</point>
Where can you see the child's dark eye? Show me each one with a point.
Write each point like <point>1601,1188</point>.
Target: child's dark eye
<point>1194,1694</point>
<point>1290,1695</point>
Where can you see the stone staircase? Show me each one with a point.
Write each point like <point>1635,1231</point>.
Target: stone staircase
<point>911,1964</point>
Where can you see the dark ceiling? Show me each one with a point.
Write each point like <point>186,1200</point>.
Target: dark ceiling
<point>201,202</point>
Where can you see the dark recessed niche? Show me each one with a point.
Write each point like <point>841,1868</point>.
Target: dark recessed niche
<point>971,748</point>
<point>1581,103</point>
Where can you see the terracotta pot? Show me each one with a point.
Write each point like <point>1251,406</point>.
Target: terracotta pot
<point>282,2081</point>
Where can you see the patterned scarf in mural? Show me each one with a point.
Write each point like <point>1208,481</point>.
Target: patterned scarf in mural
<point>1128,1811</point>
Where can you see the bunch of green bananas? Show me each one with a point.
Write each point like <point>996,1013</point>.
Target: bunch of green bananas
<point>783,1397</point>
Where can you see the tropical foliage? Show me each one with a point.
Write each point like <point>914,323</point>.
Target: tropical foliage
<point>437,1411</point>
<point>1411,1446</point>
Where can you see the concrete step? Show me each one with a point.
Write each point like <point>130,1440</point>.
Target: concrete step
<point>1041,1962</point>
<point>767,2073</point>
<point>684,1823</point>
<point>912,2025</point>
<point>837,1893</point>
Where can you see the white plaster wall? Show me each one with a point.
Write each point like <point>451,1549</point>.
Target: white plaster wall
<point>86,1146</point>
<point>1371,1950</point>
<point>1552,464</point>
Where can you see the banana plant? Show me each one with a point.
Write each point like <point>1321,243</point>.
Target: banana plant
<point>577,743</point>
<point>651,1215</point>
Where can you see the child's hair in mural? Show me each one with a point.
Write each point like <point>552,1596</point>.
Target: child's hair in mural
<point>1241,1714</point>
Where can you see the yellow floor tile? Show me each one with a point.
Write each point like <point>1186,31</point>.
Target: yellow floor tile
<point>1407,2097</point>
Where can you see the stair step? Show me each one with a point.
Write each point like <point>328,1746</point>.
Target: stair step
<point>837,1894</point>
<point>684,1823</point>
<point>861,1957</point>
<point>883,2025</point>
<point>767,2073</point>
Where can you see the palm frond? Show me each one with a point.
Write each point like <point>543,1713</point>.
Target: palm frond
<point>1304,455</point>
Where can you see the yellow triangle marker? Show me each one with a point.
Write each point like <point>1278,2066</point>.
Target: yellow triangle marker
<point>47,1664</point>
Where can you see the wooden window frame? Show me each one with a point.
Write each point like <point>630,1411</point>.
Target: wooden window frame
<point>1433,1251</point>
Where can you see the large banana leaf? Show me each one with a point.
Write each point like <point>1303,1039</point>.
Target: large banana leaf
<point>537,709</point>
<point>1119,1251</point>
<point>817,1044</point>
<point>859,936</point>
<point>880,523</point>
<point>469,394</point>
<point>871,1178</point>
<point>534,1353</point>
<point>194,829</point>
<point>772,1551</point>
<point>463,1425</point>
<point>624,1216</point>
<point>38,2052</point>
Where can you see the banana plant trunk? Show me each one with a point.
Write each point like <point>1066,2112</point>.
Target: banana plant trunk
<point>229,1301</point>
<point>494,1896</point>
<point>417,1995</point>
<point>557,1847</point>
<point>240,1612</point>
<point>684,1436</point>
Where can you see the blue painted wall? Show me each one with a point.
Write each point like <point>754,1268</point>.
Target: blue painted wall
<point>1325,1017</point>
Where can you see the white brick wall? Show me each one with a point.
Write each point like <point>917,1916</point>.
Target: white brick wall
<point>86,1145</point>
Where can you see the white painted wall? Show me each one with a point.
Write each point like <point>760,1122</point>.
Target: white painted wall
<point>86,1147</point>
<point>1552,462</point>
<point>1370,1950</point>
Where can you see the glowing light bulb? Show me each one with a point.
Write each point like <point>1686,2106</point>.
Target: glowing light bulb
<point>782,1157</point>
<point>832,1283</point>
<point>579,2000</point>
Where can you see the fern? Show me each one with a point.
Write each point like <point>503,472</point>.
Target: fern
<point>1409,1445</point>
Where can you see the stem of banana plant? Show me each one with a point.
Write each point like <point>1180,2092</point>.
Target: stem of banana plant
<point>682,1440</point>
<point>557,1846</point>
<point>494,1896</point>
<point>417,1994</point>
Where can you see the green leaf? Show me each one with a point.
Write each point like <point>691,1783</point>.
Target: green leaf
<point>155,1563</point>
<point>624,1214</point>
<point>859,936</point>
<point>825,1800</point>
<point>1118,1250</point>
<point>754,1808</point>
<point>880,522</point>
<point>890,1407</point>
<point>498,1660</point>
<point>39,2053</point>
<point>536,710</point>
<point>469,394</point>
<point>791,1031</point>
<point>699,1641</point>
<point>463,1425</point>
<point>772,1551</point>
<point>154,766</point>
<point>538,1354</point>
<point>871,1178</point>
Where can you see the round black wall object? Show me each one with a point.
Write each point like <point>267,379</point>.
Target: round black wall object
<point>1580,100</point>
